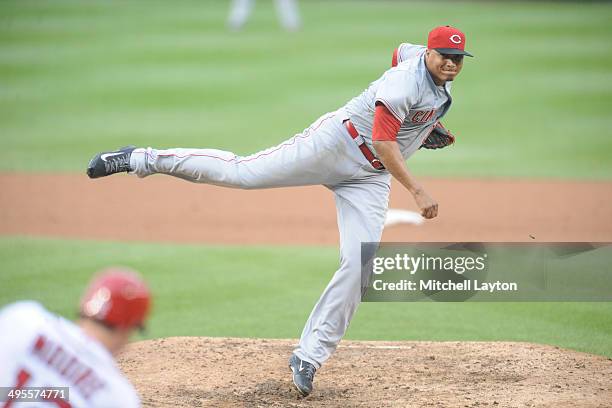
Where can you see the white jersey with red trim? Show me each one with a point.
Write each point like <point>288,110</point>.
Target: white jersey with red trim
<point>40,349</point>
<point>410,94</point>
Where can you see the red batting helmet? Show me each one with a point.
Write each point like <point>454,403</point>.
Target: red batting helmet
<point>117,297</point>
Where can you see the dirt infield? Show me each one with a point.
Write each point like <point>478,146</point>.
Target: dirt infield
<point>164,209</point>
<point>226,372</point>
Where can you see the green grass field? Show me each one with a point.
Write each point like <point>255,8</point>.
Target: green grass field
<point>78,77</point>
<point>268,292</point>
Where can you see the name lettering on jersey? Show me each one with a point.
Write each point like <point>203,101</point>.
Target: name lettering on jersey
<point>423,116</point>
<point>67,366</point>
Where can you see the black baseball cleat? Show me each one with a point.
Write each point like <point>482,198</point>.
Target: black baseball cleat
<point>107,163</point>
<point>303,374</point>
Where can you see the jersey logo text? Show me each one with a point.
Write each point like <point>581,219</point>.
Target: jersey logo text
<point>422,116</point>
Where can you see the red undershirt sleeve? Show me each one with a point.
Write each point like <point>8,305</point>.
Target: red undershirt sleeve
<point>385,125</point>
<point>394,59</point>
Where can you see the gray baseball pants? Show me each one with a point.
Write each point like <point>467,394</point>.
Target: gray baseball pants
<point>324,153</point>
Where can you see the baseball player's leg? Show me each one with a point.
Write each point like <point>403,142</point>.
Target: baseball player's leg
<point>361,208</point>
<point>322,154</point>
<point>239,13</point>
<point>288,14</point>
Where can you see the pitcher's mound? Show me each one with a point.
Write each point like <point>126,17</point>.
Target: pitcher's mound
<point>229,372</point>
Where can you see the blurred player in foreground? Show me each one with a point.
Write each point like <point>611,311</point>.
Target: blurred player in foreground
<point>41,349</point>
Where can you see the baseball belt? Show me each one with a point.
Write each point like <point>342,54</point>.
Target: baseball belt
<point>377,164</point>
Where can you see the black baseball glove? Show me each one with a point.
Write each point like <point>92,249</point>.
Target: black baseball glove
<point>439,138</point>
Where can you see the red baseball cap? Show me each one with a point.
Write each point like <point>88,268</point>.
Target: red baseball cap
<point>117,297</point>
<point>447,40</point>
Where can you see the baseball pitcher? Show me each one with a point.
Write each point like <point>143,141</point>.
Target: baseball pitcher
<point>354,152</point>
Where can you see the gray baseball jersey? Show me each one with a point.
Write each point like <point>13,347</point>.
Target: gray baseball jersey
<point>325,153</point>
<point>410,94</point>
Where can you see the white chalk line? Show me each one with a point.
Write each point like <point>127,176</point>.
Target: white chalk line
<point>376,347</point>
